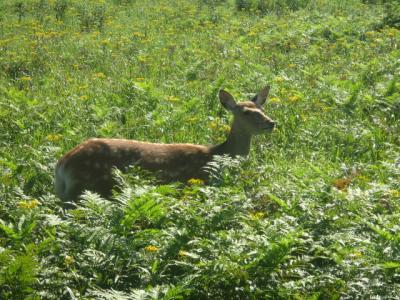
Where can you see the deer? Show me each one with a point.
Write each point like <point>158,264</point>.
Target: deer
<point>89,166</point>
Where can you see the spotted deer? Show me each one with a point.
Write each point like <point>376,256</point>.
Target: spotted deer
<point>89,165</point>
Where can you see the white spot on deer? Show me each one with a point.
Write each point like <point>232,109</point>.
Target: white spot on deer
<point>159,161</point>
<point>127,151</point>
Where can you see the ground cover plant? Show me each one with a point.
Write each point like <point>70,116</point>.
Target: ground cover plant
<point>312,213</point>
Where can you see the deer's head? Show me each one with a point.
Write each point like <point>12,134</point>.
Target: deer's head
<point>249,116</point>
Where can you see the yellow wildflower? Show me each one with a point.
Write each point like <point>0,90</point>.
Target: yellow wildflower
<point>192,120</point>
<point>105,42</point>
<point>357,254</point>
<point>391,32</point>
<point>195,181</point>
<point>138,34</point>
<point>172,99</point>
<point>84,97</point>
<point>26,78</point>
<point>275,100</point>
<point>257,215</point>
<point>142,58</point>
<point>151,248</point>
<point>53,137</point>
<point>40,34</point>
<point>182,253</point>
<point>99,75</point>
<point>28,204</point>
<point>326,108</point>
<point>370,33</point>
<point>213,124</point>
<point>294,98</point>
<point>279,79</point>
<point>95,34</point>
<point>69,260</point>
<point>226,128</point>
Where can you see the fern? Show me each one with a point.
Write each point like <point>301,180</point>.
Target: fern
<point>7,230</point>
<point>223,170</point>
<point>17,275</point>
<point>143,211</point>
<point>115,295</point>
<point>167,292</point>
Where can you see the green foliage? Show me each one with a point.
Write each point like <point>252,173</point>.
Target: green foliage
<point>17,275</point>
<point>270,6</point>
<point>312,213</point>
<point>392,13</point>
<point>60,9</point>
<point>143,211</point>
<point>90,16</point>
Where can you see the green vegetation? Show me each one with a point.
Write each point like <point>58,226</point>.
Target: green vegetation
<point>312,213</point>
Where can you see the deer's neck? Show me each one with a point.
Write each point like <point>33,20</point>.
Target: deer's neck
<point>237,143</point>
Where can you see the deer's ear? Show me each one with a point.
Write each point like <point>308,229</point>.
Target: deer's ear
<point>261,97</point>
<point>227,100</point>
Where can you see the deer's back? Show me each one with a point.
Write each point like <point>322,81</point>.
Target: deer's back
<point>89,165</point>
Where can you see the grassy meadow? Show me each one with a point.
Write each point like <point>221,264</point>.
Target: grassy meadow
<point>312,213</point>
